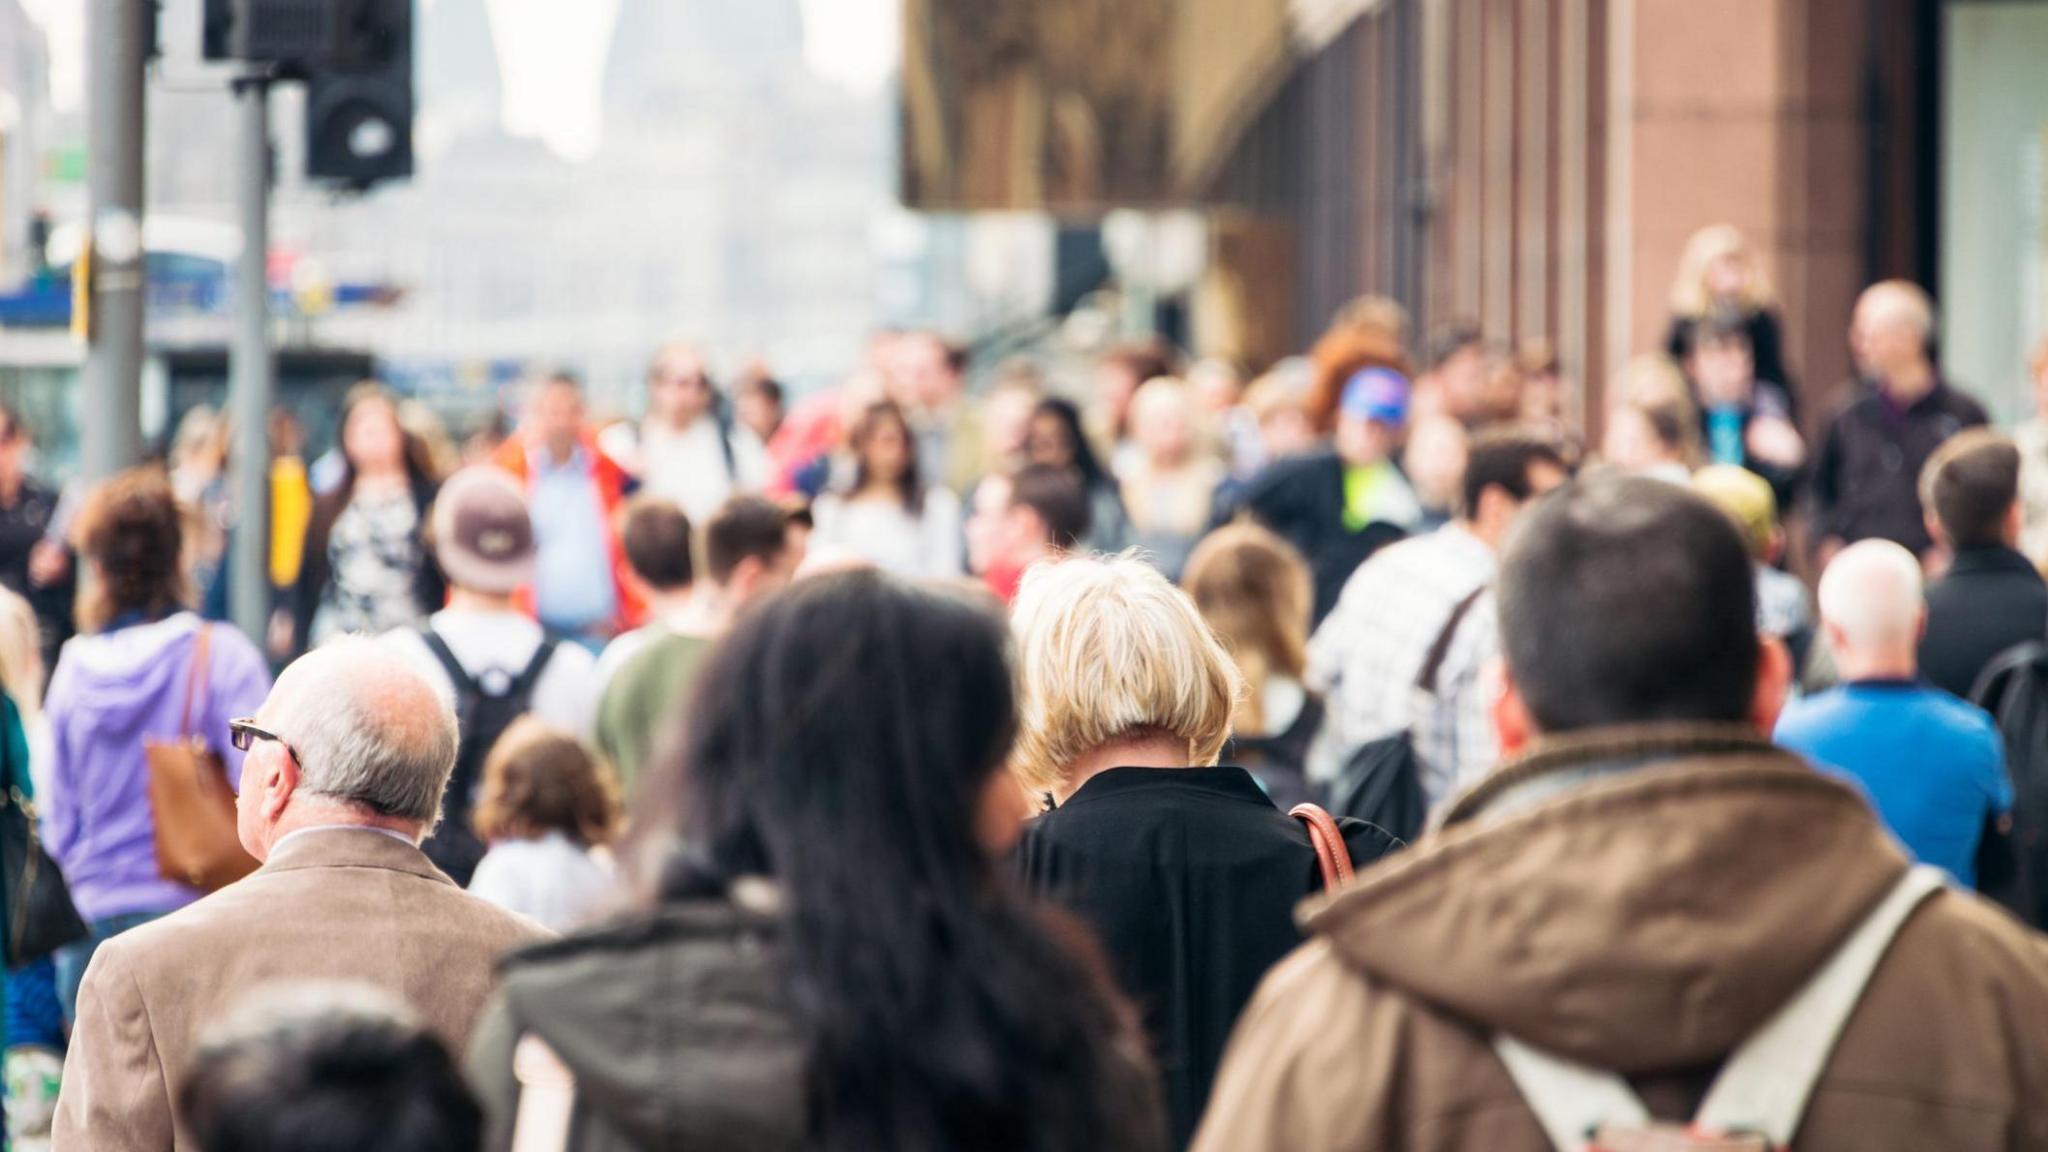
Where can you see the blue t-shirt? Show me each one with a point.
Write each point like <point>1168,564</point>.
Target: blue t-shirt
<point>1932,765</point>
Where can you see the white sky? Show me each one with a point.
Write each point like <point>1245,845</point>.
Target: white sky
<point>552,54</point>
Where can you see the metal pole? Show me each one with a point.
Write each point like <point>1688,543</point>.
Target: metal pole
<point>250,372</point>
<point>111,412</point>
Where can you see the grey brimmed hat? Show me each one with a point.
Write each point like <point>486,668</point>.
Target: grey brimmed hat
<point>483,534</point>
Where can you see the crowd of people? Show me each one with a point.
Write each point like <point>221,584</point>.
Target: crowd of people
<point>1355,756</point>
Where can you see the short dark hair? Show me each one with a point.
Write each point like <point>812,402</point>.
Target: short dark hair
<point>1058,497</point>
<point>767,386</point>
<point>1502,458</point>
<point>748,527</point>
<point>656,540</point>
<point>1970,484</point>
<point>336,1076</point>
<point>1717,326</point>
<point>1625,600</point>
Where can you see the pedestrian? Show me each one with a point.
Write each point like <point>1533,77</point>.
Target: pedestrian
<point>549,810</point>
<point>1056,440</point>
<point>1653,429</point>
<point>1932,765</point>
<point>30,564</point>
<point>347,763</point>
<point>1037,515</point>
<point>2032,438</point>
<point>1718,275</point>
<point>1747,420</point>
<point>1366,658</point>
<point>930,386</point>
<point>1784,608</point>
<point>827,954</point>
<point>1992,599</point>
<point>661,565</point>
<point>748,556</point>
<point>1340,506</point>
<point>1172,479</point>
<point>759,404</point>
<point>1456,384</point>
<point>1183,867</point>
<point>1254,589</point>
<point>1640,890</point>
<point>365,566</point>
<point>1866,473</point>
<point>1118,375</point>
<point>146,670</point>
<point>574,491</point>
<point>200,477</point>
<point>890,514</point>
<point>487,655</point>
<point>326,1068</point>
<point>688,448</point>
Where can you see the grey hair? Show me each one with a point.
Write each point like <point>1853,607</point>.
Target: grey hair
<point>370,730</point>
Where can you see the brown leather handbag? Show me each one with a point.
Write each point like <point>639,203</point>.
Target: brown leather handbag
<point>190,801</point>
<point>1332,854</point>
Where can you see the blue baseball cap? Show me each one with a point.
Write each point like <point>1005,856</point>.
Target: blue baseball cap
<point>1377,394</point>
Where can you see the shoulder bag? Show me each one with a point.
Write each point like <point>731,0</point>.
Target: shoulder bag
<point>190,801</point>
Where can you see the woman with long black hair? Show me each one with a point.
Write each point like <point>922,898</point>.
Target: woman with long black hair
<point>831,958</point>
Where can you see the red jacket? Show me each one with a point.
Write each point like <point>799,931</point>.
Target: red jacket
<point>612,485</point>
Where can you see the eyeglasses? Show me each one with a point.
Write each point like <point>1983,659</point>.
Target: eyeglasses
<point>244,734</point>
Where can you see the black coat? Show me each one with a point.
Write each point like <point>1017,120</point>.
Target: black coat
<point>1866,478</point>
<point>1991,601</point>
<point>1190,877</point>
<point>1302,499</point>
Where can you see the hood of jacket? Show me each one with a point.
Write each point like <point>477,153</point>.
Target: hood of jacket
<point>1639,900</point>
<point>129,674</point>
<point>676,1025</point>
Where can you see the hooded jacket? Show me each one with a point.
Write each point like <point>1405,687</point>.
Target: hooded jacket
<point>679,1032</point>
<point>110,693</point>
<point>1641,901</point>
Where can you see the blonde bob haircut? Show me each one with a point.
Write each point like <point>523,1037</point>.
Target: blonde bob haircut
<point>1108,649</point>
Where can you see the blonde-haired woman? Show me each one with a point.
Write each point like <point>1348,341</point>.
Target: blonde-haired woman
<point>1185,869</point>
<point>1718,277</point>
<point>1255,590</point>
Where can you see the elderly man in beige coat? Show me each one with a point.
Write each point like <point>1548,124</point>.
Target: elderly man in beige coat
<point>347,762</point>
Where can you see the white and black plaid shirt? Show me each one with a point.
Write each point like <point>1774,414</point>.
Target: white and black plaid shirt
<point>1366,657</point>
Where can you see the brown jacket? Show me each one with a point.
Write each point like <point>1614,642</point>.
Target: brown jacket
<point>330,905</point>
<point>1640,901</point>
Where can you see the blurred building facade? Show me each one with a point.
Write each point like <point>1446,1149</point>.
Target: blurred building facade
<point>1538,165</point>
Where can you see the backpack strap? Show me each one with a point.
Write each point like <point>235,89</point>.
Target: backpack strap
<point>522,687</point>
<point>465,684</point>
<point>1433,664</point>
<point>1766,1084</point>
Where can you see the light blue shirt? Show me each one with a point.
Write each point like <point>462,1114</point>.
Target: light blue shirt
<point>572,584</point>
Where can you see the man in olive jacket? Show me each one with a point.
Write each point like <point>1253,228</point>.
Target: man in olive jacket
<point>1638,890</point>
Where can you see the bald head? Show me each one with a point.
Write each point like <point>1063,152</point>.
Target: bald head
<point>1872,607</point>
<point>1893,329</point>
<point>369,728</point>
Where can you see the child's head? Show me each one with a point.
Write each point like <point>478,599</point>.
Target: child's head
<point>538,780</point>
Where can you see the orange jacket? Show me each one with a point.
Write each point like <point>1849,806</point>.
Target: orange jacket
<point>612,486</point>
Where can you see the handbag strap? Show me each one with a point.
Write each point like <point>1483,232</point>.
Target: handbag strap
<point>1440,650</point>
<point>1332,855</point>
<point>1764,1088</point>
<point>195,677</point>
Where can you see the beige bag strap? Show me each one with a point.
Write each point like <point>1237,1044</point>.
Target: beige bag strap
<point>195,677</point>
<point>1764,1088</point>
<point>547,1097</point>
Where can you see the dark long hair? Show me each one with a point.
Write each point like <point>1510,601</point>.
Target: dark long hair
<point>1093,474</point>
<point>910,485</point>
<point>846,735</point>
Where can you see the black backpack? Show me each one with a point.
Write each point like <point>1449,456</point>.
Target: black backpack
<point>1381,783</point>
<point>2012,866</point>
<point>483,714</point>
